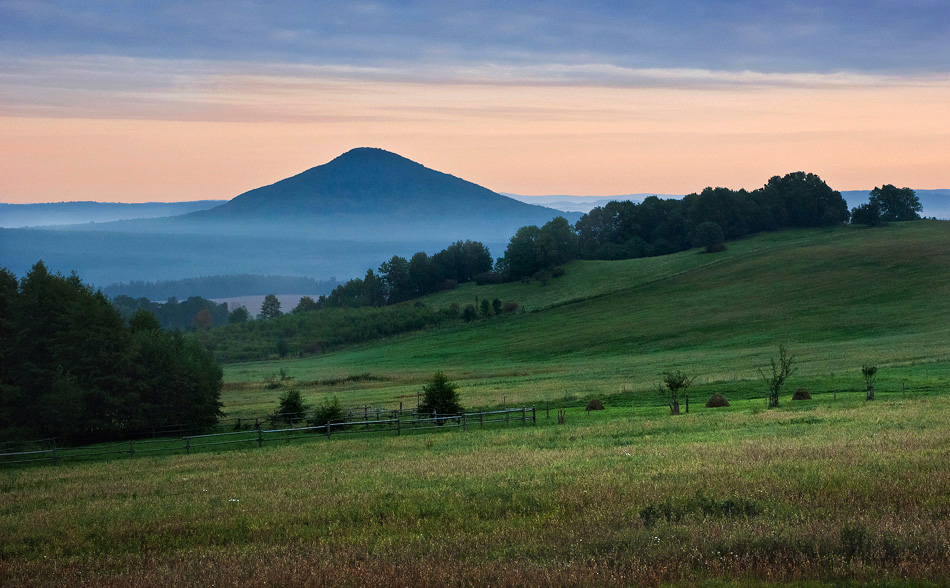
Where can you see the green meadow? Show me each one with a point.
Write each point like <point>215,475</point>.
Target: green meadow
<point>835,490</point>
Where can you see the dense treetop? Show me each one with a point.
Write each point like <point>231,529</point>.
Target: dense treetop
<point>72,368</point>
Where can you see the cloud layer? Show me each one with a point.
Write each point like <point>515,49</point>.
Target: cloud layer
<point>171,100</point>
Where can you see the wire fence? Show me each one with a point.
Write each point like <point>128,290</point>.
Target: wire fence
<point>47,451</point>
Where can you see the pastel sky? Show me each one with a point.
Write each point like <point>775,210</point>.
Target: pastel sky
<point>113,100</point>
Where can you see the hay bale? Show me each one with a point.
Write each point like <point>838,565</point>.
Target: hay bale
<point>595,404</point>
<point>716,400</point>
<point>801,394</point>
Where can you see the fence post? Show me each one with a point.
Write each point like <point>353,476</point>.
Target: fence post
<point>687,405</point>
<point>187,446</point>
<point>534,417</point>
<point>481,419</point>
<point>55,456</point>
<point>398,426</point>
<point>260,437</point>
<point>507,414</point>
<point>328,429</point>
<point>463,421</point>
<point>524,416</point>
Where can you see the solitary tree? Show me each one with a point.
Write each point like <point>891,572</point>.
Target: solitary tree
<point>270,307</point>
<point>440,396</point>
<point>869,372</point>
<point>896,204</point>
<point>673,388</point>
<point>290,407</point>
<point>781,371</point>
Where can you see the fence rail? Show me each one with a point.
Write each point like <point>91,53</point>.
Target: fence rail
<point>193,443</point>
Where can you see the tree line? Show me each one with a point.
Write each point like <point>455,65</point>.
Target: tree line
<point>623,230</point>
<point>400,279</point>
<point>72,367</point>
<point>229,286</point>
<point>626,230</point>
<point>193,314</point>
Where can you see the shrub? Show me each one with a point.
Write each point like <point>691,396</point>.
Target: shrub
<point>329,411</point>
<point>509,306</point>
<point>716,400</point>
<point>801,394</point>
<point>440,396</point>
<point>595,404</point>
<point>710,236</point>
<point>290,407</point>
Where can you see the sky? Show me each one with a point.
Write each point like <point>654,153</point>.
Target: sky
<point>112,100</point>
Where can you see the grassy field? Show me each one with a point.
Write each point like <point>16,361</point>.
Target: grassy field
<point>837,299</point>
<point>831,491</point>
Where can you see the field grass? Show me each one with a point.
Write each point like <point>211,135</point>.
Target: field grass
<point>831,491</point>
<point>836,298</point>
<point>828,490</point>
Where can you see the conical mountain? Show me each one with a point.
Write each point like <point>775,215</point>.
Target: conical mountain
<point>370,181</point>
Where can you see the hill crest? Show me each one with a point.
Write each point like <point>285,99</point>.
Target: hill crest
<point>372,181</point>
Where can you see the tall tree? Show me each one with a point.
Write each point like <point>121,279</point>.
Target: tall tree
<point>270,308</point>
<point>397,284</point>
<point>896,204</point>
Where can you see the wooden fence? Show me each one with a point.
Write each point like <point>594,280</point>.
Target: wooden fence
<point>47,451</point>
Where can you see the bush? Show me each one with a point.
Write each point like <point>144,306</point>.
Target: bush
<point>801,394</point>
<point>710,236</point>
<point>595,404</point>
<point>329,411</point>
<point>716,401</point>
<point>509,306</point>
<point>440,396</point>
<point>290,407</point>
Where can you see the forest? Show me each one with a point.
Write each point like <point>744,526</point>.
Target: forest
<point>71,367</point>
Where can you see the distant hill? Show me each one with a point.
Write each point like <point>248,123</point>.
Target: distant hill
<point>337,219</point>
<point>219,287</point>
<point>369,181</point>
<point>373,194</point>
<point>72,213</point>
<point>584,204</point>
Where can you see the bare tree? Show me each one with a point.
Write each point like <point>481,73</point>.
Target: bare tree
<point>869,372</point>
<point>781,371</point>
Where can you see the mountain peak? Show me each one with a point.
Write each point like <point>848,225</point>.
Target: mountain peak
<point>369,181</point>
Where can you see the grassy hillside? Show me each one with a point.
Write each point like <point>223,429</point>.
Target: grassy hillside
<point>828,492</point>
<point>837,298</point>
